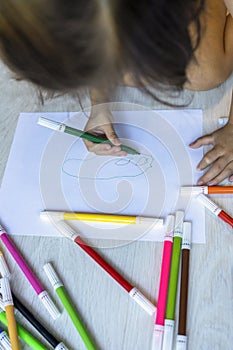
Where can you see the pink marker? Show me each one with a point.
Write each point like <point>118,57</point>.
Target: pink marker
<point>157,340</point>
<point>41,292</point>
<point>209,204</point>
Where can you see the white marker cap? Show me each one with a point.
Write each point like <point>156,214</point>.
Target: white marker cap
<point>6,291</point>
<point>169,226</point>
<point>49,304</point>
<point>4,270</point>
<point>2,230</point>
<point>157,339</point>
<point>51,124</point>
<point>193,190</point>
<point>186,240</point>
<point>5,341</point>
<point>142,301</point>
<point>61,346</point>
<point>209,204</point>
<point>52,276</point>
<point>48,215</point>
<point>181,342</point>
<point>66,230</point>
<point>179,218</point>
<point>168,334</point>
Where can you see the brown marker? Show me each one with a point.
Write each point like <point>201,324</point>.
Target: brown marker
<point>181,342</point>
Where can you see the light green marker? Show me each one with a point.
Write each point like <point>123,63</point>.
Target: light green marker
<point>85,135</point>
<point>61,292</point>
<point>24,334</point>
<point>173,280</point>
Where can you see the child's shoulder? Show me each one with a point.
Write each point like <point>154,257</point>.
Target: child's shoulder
<point>212,65</point>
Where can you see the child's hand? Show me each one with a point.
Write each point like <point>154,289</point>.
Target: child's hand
<point>100,123</point>
<point>219,158</point>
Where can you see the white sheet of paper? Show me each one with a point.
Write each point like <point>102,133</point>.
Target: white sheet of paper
<point>52,170</point>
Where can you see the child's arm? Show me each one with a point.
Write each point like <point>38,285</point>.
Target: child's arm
<point>214,55</point>
<point>220,157</point>
<point>100,123</point>
<point>216,50</point>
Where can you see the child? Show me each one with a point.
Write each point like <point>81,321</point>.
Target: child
<point>97,44</point>
<point>215,58</point>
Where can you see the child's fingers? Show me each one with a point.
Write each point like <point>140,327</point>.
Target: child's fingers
<point>104,149</point>
<point>202,141</point>
<point>217,170</point>
<point>91,146</point>
<point>209,158</point>
<point>212,180</point>
<point>111,135</point>
<point>112,153</point>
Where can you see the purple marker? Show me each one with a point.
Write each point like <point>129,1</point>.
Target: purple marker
<point>41,292</point>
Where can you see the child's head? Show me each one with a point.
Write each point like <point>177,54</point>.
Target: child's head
<point>64,45</point>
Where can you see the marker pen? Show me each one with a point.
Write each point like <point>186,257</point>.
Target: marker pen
<point>9,308</point>
<point>157,340</point>
<point>182,339</point>
<point>36,285</point>
<point>173,281</point>
<point>51,124</point>
<point>4,269</point>
<point>27,337</point>
<point>215,209</point>
<point>98,217</point>
<point>133,292</point>
<point>4,340</point>
<point>56,344</point>
<point>195,190</point>
<point>63,296</point>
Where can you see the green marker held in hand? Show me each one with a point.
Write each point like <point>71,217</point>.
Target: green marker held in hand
<point>79,133</point>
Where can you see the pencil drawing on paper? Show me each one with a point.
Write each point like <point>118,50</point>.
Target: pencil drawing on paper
<point>111,168</point>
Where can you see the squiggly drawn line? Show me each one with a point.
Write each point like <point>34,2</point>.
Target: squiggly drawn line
<point>142,160</point>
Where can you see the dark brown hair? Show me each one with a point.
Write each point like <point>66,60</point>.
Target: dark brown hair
<point>63,45</point>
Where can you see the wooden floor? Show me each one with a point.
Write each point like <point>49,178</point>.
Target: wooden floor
<point>113,320</point>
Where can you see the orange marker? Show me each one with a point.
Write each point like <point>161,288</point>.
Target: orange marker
<point>9,308</point>
<point>195,190</point>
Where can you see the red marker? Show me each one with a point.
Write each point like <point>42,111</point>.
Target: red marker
<point>209,204</point>
<point>135,294</point>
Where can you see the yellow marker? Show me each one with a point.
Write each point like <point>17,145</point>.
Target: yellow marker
<point>9,308</point>
<point>115,219</point>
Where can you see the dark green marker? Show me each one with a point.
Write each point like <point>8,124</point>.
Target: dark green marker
<point>84,135</point>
